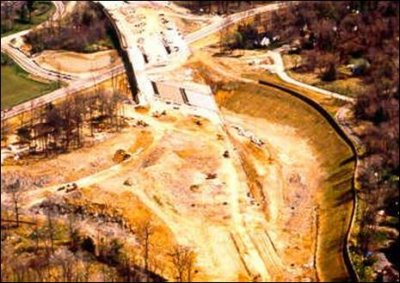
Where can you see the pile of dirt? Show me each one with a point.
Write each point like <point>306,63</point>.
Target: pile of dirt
<point>120,156</point>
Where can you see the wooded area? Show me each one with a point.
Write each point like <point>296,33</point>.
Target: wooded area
<point>364,37</point>
<point>329,34</point>
<point>60,127</point>
<point>20,15</point>
<point>87,22</point>
<point>219,7</point>
<point>56,248</point>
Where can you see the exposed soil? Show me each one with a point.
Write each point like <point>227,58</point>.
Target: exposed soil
<point>73,62</point>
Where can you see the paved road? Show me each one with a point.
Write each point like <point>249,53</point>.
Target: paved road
<point>130,46</point>
<point>61,93</point>
<point>341,115</point>
<point>251,253</point>
<point>77,85</point>
<point>28,63</point>
<point>60,9</point>
<point>279,68</point>
<point>234,18</point>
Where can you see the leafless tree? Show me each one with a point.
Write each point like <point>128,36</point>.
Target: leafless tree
<point>183,260</point>
<point>225,35</point>
<point>21,119</point>
<point>15,190</point>
<point>67,262</point>
<point>50,229</point>
<point>88,268</point>
<point>5,130</point>
<point>145,233</point>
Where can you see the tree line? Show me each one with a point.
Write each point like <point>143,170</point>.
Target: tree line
<point>57,249</point>
<point>63,126</point>
<point>328,34</point>
<point>87,22</point>
<point>363,35</point>
<point>219,7</point>
<point>13,12</point>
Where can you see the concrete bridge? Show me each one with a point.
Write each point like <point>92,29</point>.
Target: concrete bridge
<point>141,87</point>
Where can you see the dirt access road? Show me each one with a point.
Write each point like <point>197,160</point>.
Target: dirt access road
<point>248,216</point>
<point>307,166</point>
<point>171,172</point>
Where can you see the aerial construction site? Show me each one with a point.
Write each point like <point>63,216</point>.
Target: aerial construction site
<point>147,141</point>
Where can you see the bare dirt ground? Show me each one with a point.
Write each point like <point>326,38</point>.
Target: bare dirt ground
<point>77,164</point>
<point>286,187</point>
<point>72,62</point>
<point>188,26</point>
<point>296,177</point>
<point>204,199</point>
<point>249,212</point>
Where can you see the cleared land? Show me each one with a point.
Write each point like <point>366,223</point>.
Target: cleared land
<point>249,212</point>
<point>73,62</point>
<point>332,195</point>
<point>18,87</point>
<point>194,191</point>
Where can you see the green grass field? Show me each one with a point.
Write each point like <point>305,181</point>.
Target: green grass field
<point>17,87</point>
<point>335,197</point>
<point>42,10</point>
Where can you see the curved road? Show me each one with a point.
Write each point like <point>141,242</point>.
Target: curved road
<point>29,64</point>
<point>279,68</point>
<point>80,84</point>
<point>75,84</point>
<point>234,18</point>
<point>341,115</point>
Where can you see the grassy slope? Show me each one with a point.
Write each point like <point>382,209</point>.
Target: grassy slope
<point>329,104</point>
<point>16,87</point>
<point>42,11</point>
<point>335,194</point>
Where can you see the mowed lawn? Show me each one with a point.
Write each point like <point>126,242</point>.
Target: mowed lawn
<point>17,87</point>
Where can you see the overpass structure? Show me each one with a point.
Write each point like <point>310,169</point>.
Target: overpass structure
<point>142,87</point>
<point>145,53</point>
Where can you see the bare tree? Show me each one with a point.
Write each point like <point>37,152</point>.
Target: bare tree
<point>15,190</point>
<point>5,130</point>
<point>66,261</point>
<point>50,228</point>
<point>183,260</point>
<point>145,232</point>
<point>87,270</point>
<point>29,6</point>
<point>21,118</point>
